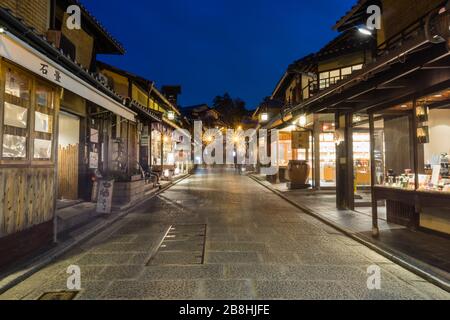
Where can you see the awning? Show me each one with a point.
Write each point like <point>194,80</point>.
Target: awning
<point>19,52</point>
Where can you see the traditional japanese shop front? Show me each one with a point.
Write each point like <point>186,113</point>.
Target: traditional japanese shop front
<point>411,162</point>
<point>31,86</point>
<point>392,127</point>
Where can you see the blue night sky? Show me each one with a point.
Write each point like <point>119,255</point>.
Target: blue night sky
<point>212,47</point>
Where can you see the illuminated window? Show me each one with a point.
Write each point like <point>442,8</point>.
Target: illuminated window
<point>329,78</point>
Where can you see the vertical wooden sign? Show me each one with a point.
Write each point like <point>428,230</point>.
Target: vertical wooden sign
<point>105,194</point>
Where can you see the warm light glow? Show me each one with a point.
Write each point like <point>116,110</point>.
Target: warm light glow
<point>166,139</point>
<point>171,115</point>
<point>166,173</point>
<point>302,121</point>
<point>264,117</point>
<point>404,106</point>
<point>208,138</point>
<point>2,30</point>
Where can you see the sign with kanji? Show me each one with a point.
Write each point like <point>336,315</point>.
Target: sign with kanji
<point>300,139</point>
<point>105,193</point>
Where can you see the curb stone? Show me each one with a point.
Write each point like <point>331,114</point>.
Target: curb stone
<point>394,257</point>
<point>38,263</point>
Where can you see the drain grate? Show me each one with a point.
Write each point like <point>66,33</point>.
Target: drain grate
<point>182,245</point>
<point>61,295</point>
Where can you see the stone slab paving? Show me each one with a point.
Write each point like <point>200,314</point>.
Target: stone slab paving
<point>257,247</point>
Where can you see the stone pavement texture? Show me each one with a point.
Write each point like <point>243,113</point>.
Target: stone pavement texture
<point>429,248</point>
<point>257,246</point>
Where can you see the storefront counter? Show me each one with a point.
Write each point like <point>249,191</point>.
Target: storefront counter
<point>406,207</point>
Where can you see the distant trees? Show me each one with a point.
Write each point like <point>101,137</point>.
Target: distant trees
<point>231,109</point>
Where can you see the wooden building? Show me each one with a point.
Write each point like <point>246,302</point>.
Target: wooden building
<point>56,113</point>
<point>152,143</point>
<point>303,80</point>
<point>399,99</point>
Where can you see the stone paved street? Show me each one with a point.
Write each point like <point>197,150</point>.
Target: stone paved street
<point>257,246</point>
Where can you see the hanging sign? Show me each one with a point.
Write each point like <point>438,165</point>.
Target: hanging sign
<point>21,53</point>
<point>300,139</point>
<point>93,160</point>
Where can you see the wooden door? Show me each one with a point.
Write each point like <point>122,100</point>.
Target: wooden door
<point>68,157</point>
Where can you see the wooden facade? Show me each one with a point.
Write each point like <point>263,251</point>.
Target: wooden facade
<point>401,65</point>
<point>27,179</point>
<point>36,83</point>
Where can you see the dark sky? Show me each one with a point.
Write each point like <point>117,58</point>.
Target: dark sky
<point>215,46</point>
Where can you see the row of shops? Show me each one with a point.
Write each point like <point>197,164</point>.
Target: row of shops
<point>65,125</point>
<point>379,134</point>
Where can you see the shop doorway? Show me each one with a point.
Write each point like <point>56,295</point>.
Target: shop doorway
<point>68,156</point>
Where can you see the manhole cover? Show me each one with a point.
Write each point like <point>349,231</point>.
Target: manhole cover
<point>182,245</point>
<point>61,295</point>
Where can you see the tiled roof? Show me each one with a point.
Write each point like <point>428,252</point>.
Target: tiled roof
<point>99,26</point>
<point>350,13</point>
<point>17,26</point>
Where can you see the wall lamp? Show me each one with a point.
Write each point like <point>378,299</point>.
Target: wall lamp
<point>364,30</point>
<point>302,120</point>
<point>264,117</point>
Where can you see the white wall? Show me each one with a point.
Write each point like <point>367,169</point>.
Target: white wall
<point>69,130</point>
<point>439,124</point>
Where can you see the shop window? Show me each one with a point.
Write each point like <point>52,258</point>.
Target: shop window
<point>393,148</point>
<point>156,147</point>
<point>16,115</point>
<point>327,156</point>
<point>361,151</point>
<point>433,117</point>
<point>43,122</point>
<point>329,78</point>
<point>27,123</point>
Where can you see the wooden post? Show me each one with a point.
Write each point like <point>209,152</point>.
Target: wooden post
<point>55,149</point>
<point>278,160</point>
<point>350,192</point>
<point>375,229</point>
<point>415,147</point>
<point>316,151</point>
<point>340,174</point>
<point>162,150</point>
<point>344,164</point>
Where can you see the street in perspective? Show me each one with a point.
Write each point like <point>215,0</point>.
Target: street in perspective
<point>194,162</point>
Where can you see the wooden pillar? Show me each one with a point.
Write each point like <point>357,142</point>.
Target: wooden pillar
<point>344,163</point>
<point>415,154</point>
<point>150,163</point>
<point>340,160</point>
<point>162,149</point>
<point>316,151</point>
<point>350,166</point>
<point>375,229</point>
